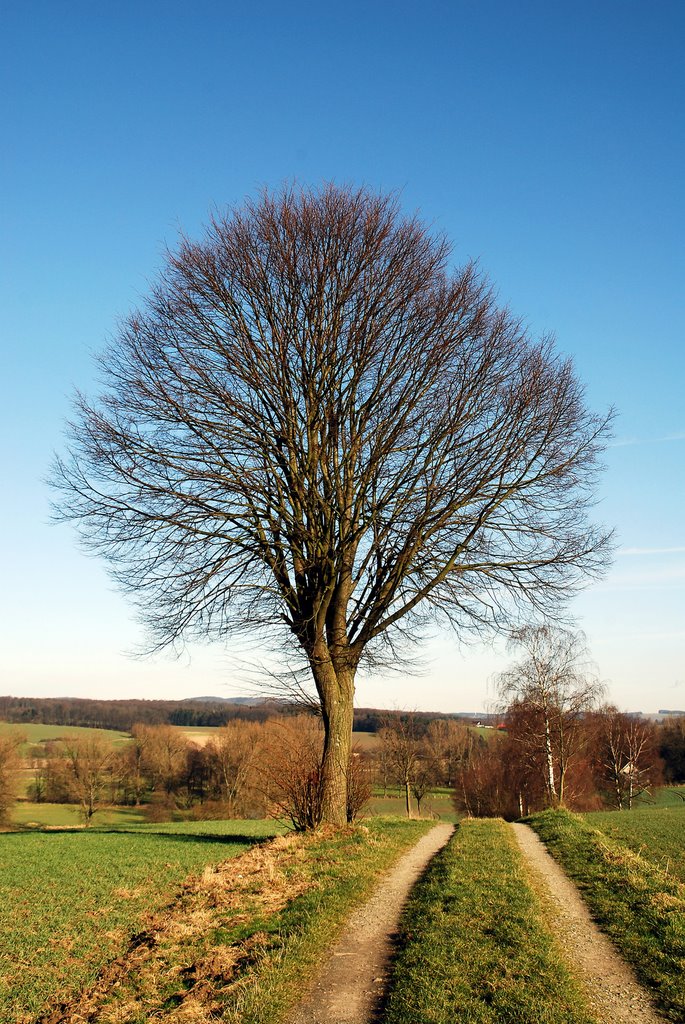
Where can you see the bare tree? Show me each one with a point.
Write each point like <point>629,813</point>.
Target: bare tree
<point>233,754</point>
<point>627,762</point>
<point>315,424</point>
<point>449,745</point>
<point>163,756</point>
<point>549,693</point>
<point>291,770</point>
<point>87,763</point>
<point>359,784</point>
<point>10,763</point>
<point>401,751</point>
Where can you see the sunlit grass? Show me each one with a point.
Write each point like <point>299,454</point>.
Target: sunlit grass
<point>70,900</point>
<point>640,906</point>
<point>473,943</point>
<point>656,833</point>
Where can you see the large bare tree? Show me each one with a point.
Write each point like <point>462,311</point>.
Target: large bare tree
<point>314,423</point>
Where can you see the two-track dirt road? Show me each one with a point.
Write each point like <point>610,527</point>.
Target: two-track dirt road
<point>352,983</point>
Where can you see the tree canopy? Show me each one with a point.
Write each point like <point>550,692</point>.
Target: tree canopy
<point>315,423</point>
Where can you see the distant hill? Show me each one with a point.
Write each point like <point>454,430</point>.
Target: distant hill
<point>191,711</point>
<point>245,701</point>
<point>123,714</point>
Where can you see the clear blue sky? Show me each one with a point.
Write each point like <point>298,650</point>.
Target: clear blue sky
<point>547,140</point>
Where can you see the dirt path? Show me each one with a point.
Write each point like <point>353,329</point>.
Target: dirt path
<point>352,983</point>
<point>611,988</point>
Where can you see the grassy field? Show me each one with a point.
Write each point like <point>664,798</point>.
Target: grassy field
<point>236,942</point>
<point>37,734</point>
<point>44,815</point>
<point>656,833</point>
<point>25,814</point>
<point>665,796</point>
<point>70,901</point>
<point>473,943</point>
<point>637,903</point>
<point>437,805</point>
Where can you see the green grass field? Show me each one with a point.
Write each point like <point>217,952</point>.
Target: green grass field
<point>437,805</point>
<point>37,734</point>
<point>656,833</point>
<point>29,815</point>
<point>664,796</point>
<point>639,905</point>
<point>473,943</point>
<point>70,901</point>
<point>237,942</point>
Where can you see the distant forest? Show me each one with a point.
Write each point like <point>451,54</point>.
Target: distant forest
<point>124,714</point>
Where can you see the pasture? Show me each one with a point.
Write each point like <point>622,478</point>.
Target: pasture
<point>35,735</point>
<point>27,814</point>
<point>638,904</point>
<point>236,938</point>
<point>437,804</point>
<point>33,748</point>
<point>69,901</point>
<point>655,833</point>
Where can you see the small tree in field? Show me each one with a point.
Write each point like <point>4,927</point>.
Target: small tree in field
<point>87,763</point>
<point>401,752</point>
<point>9,765</point>
<point>316,425</point>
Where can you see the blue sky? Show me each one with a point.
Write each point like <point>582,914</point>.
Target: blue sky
<point>546,140</point>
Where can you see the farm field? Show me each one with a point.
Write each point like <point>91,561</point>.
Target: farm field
<point>656,833</point>
<point>437,804</point>
<point>240,938</point>
<point>36,734</point>
<point>638,904</point>
<point>664,796</point>
<point>70,900</point>
<point>26,814</point>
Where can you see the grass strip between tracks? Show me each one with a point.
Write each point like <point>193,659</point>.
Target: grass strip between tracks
<point>473,944</point>
<point>639,905</point>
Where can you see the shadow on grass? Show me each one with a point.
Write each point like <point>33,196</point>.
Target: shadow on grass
<point>226,838</point>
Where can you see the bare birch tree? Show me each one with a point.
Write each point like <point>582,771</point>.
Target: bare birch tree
<point>314,423</point>
<point>549,692</point>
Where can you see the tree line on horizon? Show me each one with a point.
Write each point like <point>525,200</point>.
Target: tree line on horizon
<point>122,715</point>
<point>600,758</point>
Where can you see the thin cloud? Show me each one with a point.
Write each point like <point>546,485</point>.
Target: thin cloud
<point>624,442</point>
<point>651,551</point>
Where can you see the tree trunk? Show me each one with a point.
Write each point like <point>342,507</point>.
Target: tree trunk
<point>407,797</point>
<point>549,766</point>
<point>336,691</point>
